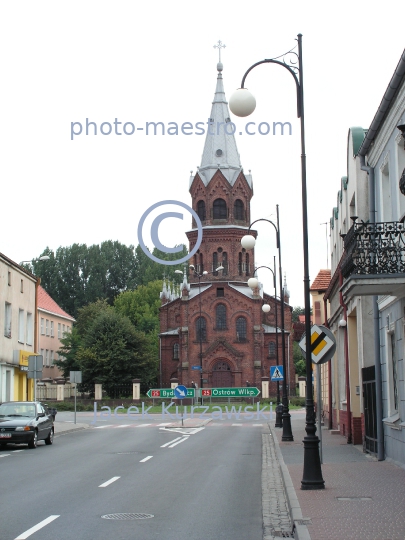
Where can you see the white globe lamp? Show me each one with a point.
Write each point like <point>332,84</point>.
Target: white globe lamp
<point>248,241</point>
<point>242,102</point>
<point>265,308</point>
<point>253,283</point>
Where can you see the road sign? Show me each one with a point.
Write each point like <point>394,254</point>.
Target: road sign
<point>35,366</point>
<point>180,392</point>
<point>230,392</point>
<point>168,393</point>
<point>276,373</point>
<point>75,377</point>
<point>196,367</point>
<point>323,344</point>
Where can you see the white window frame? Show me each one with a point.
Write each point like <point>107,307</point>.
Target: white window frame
<point>52,332</point>
<point>42,326</point>
<point>30,329</point>
<point>47,327</point>
<point>52,358</point>
<point>59,330</point>
<point>46,357</point>
<point>21,326</point>
<point>390,375</point>
<point>7,320</point>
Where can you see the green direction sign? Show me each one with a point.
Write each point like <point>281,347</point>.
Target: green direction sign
<point>167,393</point>
<point>230,392</point>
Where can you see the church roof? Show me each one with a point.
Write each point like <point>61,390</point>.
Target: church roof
<point>220,151</point>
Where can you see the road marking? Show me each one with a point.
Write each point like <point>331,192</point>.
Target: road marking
<point>124,425</point>
<point>170,442</point>
<point>113,479</point>
<point>237,424</point>
<point>257,425</point>
<point>102,427</point>
<point>184,438</point>
<point>144,425</point>
<point>165,424</point>
<point>36,528</point>
<point>5,455</point>
<point>14,451</point>
<point>145,459</point>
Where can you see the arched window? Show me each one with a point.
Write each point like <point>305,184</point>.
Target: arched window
<point>215,263</point>
<point>225,263</point>
<point>239,210</point>
<point>220,211</point>
<point>176,351</point>
<point>240,264</point>
<point>201,268</point>
<point>201,210</point>
<point>220,317</point>
<point>201,329</point>
<point>241,329</point>
<point>272,349</point>
<point>247,265</point>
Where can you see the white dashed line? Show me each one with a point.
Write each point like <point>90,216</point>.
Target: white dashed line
<point>165,424</point>
<point>124,425</point>
<point>146,459</point>
<point>170,442</point>
<point>36,528</point>
<point>144,425</point>
<point>102,427</point>
<point>113,479</point>
<point>179,442</point>
<point>237,424</point>
<point>257,425</point>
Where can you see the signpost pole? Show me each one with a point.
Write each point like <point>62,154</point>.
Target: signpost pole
<point>75,400</point>
<point>319,404</point>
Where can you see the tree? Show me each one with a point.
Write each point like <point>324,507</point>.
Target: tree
<point>113,352</point>
<point>299,362</point>
<point>67,361</point>
<point>141,306</point>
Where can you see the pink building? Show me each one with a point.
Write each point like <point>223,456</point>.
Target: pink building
<point>53,324</point>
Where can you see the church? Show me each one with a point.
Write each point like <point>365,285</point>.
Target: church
<point>213,331</point>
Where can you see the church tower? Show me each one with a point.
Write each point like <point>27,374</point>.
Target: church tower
<point>221,194</point>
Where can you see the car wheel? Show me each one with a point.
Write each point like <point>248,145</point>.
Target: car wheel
<point>34,441</point>
<point>49,439</point>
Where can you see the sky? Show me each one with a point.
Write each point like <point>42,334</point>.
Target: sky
<point>140,62</point>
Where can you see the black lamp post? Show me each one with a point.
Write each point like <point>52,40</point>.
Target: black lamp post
<point>266,309</point>
<point>248,242</point>
<point>242,103</point>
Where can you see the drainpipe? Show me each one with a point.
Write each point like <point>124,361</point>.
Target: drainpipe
<point>330,419</point>
<point>347,371</point>
<point>376,317</point>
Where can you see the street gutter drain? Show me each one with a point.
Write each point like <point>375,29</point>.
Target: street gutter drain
<point>127,516</point>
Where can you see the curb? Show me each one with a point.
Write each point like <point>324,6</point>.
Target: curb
<point>300,529</point>
<point>66,431</point>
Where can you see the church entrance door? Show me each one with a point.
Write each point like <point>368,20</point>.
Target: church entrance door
<point>222,375</point>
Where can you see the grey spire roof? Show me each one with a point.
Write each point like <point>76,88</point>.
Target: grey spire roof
<point>220,151</point>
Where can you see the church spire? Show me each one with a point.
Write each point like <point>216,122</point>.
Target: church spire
<point>220,151</point>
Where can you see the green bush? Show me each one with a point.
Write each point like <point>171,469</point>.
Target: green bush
<point>298,401</point>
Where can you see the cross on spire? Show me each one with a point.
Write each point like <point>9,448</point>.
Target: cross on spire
<point>219,46</point>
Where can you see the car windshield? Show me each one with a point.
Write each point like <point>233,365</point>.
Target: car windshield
<point>17,409</point>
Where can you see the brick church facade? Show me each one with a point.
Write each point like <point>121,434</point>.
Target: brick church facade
<point>217,313</point>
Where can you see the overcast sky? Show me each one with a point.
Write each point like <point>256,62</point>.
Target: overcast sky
<point>140,62</point>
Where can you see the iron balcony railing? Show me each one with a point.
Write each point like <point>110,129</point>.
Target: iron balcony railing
<point>374,248</point>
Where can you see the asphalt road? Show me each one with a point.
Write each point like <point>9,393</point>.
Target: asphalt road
<point>202,483</point>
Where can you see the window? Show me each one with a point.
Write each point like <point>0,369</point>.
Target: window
<point>240,264</point>
<point>51,359</point>
<point>201,210</point>
<point>272,349</point>
<point>241,329</point>
<point>317,312</point>
<point>22,286</point>
<point>63,330</point>
<point>7,320</point>
<point>220,317</point>
<point>43,354</point>
<point>9,278</point>
<point>30,329</point>
<point>220,291</point>
<point>59,333</point>
<point>46,357</point>
<point>176,351</point>
<point>52,335</point>
<point>225,263</point>
<point>220,211</point>
<point>42,326</point>
<point>201,329</point>
<point>239,210</point>
<point>215,263</point>
<point>247,265</point>
<point>21,326</point>
<point>394,372</point>
<point>47,327</point>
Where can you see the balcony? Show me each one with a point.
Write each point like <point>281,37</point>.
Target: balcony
<point>374,259</point>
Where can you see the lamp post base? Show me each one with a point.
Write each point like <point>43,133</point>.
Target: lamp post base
<point>312,476</point>
<point>287,431</point>
<point>279,416</point>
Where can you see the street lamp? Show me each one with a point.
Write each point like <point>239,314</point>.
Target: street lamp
<point>253,283</point>
<point>42,258</point>
<point>248,242</point>
<point>200,336</point>
<point>242,103</point>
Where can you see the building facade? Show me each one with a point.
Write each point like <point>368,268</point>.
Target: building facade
<point>216,321</point>
<point>18,329</point>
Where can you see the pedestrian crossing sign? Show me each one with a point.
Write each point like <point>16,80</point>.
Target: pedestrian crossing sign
<point>276,373</point>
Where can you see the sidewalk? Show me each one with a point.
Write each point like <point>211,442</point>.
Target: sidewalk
<point>363,499</point>
<point>66,427</point>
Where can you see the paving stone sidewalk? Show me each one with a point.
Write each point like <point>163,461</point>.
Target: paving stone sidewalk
<point>363,499</point>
